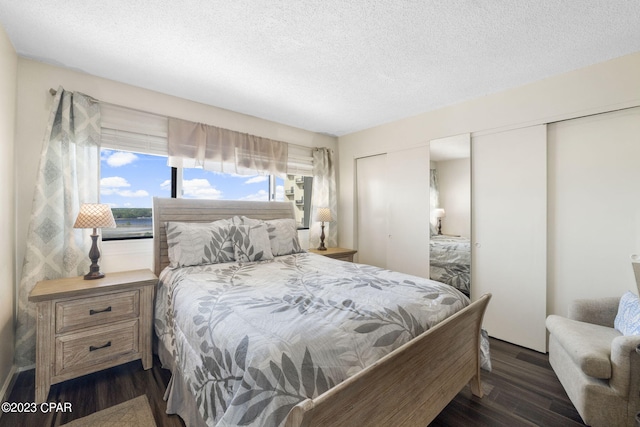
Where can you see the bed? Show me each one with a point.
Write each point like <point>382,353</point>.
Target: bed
<point>299,339</point>
<point>450,261</point>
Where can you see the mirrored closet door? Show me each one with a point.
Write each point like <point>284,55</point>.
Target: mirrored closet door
<point>450,211</point>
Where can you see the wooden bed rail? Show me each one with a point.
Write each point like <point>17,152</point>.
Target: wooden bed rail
<point>409,386</point>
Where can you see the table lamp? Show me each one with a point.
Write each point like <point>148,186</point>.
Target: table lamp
<point>323,215</point>
<point>439,213</point>
<point>94,215</point>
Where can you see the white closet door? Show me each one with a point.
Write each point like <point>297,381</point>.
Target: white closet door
<point>594,206</point>
<point>408,247</point>
<point>371,188</point>
<point>509,229</point>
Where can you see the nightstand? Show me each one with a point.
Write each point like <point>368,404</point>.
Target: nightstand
<point>336,253</point>
<point>84,326</point>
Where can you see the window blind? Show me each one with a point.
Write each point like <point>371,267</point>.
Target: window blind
<point>300,160</point>
<point>132,130</point>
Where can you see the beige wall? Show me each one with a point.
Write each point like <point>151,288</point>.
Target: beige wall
<point>602,87</point>
<point>8,67</point>
<point>34,81</point>
<point>454,181</point>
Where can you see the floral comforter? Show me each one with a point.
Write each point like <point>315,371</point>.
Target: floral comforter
<point>252,340</point>
<point>450,261</point>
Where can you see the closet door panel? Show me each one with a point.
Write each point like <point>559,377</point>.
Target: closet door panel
<point>408,245</point>
<point>371,188</point>
<point>509,229</point>
<point>594,206</point>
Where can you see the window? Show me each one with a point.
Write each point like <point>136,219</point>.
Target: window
<point>133,170</point>
<point>128,182</point>
<point>297,189</point>
<point>202,184</point>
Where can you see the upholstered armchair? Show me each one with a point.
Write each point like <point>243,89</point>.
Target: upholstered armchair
<point>598,366</point>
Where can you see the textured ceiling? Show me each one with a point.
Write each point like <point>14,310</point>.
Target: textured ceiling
<point>329,66</point>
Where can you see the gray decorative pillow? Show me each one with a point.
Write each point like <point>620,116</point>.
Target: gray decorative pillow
<point>283,235</point>
<point>627,320</point>
<point>250,243</point>
<point>245,220</point>
<point>192,243</point>
<point>241,220</point>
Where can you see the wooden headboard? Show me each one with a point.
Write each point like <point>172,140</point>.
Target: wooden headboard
<point>196,210</point>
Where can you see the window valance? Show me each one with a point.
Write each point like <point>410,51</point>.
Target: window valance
<point>222,150</point>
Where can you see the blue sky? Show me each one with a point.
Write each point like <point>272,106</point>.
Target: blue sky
<point>132,180</point>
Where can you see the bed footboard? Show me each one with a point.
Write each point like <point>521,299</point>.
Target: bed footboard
<point>408,387</point>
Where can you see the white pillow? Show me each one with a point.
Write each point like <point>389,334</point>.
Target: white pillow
<point>245,220</point>
<point>627,320</point>
<point>192,243</point>
<point>250,243</point>
<point>283,236</point>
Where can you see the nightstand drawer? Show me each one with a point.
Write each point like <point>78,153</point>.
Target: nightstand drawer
<point>95,346</point>
<point>86,312</point>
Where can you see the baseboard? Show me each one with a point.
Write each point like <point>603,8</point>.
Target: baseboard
<point>5,391</point>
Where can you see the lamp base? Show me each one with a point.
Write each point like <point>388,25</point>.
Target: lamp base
<point>93,275</point>
<point>321,247</point>
<point>94,256</point>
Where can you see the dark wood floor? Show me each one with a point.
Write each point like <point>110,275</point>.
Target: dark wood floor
<point>522,390</point>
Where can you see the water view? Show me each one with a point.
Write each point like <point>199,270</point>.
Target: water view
<point>130,222</point>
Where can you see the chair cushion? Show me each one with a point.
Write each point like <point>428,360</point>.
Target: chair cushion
<point>588,345</point>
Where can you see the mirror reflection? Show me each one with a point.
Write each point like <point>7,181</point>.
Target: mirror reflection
<point>450,211</point>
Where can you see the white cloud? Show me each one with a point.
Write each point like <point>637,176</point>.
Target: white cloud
<point>129,193</point>
<point>114,182</point>
<point>121,158</point>
<point>114,185</point>
<point>260,196</point>
<point>256,179</point>
<point>280,192</point>
<point>104,154</point>
<point>199,188</point>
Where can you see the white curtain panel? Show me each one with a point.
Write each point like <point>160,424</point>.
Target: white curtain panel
<point>67,177</point>
<point>324,196</point>
<point>196,145</point>
<point>434,194</point>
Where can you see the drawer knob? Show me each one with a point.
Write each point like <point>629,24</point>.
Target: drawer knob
<point>92,311</point>
<point>94,348</point>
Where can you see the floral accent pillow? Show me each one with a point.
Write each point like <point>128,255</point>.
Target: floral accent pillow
<point>627,320</point>
<point>250,243</point>
<point>245,220</point>
<point>283,235</point>
<point>192,243</point>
